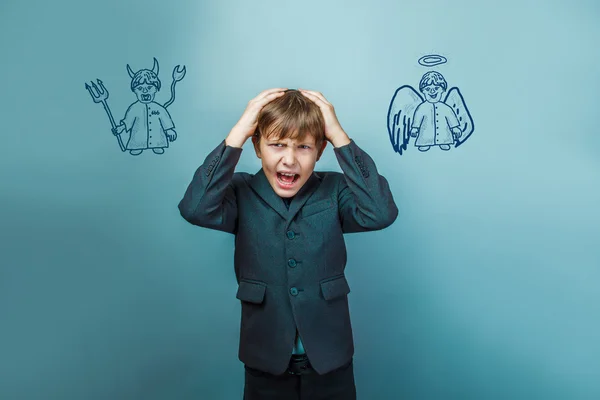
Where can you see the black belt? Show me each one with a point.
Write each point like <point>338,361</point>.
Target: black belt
<point>299,365</point>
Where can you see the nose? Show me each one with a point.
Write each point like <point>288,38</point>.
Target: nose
<point>289,156</point>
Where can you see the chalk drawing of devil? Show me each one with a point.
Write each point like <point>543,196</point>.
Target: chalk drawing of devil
<point>147,122</point>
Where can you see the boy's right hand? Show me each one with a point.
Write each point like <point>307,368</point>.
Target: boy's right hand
<point>247,124</point>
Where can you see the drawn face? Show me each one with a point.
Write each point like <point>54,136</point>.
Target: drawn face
<point>289,156</point>
<point>145,93</point>
<point>433,93</point>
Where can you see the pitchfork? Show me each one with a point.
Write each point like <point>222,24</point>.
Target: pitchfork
<point>99,95</point>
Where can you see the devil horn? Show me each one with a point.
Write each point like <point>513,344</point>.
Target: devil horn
<point>155,66</point>
<point>129,71</point>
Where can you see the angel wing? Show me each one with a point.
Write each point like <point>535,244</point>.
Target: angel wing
<point>456,101</point>
<point>400,114</point>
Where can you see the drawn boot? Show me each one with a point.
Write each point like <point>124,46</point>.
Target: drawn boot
<point>136,152</point>
<point>424,148</point>
<point>158,150</point>
<point>445,147</point>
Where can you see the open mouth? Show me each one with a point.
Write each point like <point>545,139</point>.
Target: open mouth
<point>286,180</point>
<point>145,97</point>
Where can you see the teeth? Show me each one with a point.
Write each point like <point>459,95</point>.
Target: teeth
<point>282,173</point>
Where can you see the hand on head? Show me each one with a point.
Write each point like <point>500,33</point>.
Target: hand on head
<point>333,130</point>
<point>246,126</point>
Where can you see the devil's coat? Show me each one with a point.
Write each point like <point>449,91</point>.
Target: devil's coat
<point>147,125</point>
<point>289,264</point>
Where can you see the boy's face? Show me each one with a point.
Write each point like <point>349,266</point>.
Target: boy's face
<point>285,155</point>
<point>433,93</point>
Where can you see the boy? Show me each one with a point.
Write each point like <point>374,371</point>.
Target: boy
<point>295,338</point>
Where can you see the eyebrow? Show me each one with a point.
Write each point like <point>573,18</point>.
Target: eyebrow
<point>299,144</point>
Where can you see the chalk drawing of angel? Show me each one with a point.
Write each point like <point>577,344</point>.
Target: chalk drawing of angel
<point>429,119</point>
<point>148,123</point>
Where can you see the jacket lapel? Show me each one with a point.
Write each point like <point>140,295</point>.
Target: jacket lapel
<point>310,186</point>
<point>260,184</point>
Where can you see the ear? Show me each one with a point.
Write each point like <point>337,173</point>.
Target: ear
<point>256,143</point>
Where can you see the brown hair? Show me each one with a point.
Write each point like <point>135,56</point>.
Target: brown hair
<point>291,116</point>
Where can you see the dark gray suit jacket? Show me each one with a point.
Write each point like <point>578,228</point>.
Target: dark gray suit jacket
<point>290,264</point>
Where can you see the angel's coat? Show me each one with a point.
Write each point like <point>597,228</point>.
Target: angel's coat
<point>435,122</point>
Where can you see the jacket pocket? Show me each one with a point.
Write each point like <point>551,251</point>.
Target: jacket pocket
<point>335,287</point>
<point>317,207</point>
<point>251,291</point>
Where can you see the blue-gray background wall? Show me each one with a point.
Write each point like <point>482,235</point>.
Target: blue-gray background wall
<point>486,287</point>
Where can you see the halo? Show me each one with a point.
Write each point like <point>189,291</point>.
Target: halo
<point>432,60</point>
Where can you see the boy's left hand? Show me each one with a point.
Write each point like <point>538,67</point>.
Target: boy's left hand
<point>333,130</point>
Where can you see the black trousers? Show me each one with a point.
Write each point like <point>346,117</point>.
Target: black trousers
<point>300,382</point>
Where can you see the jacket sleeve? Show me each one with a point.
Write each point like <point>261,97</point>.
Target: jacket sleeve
<point>210,199</point>
<point>365,200</point>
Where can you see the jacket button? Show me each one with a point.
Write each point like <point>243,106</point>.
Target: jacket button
<point>290,234</point>
<point>292,262</point>
<point>294,291</point>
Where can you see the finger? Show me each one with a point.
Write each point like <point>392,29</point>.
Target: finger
<point>317,94</point>
<point>267,92</point>
<point>271,90</point>
<point>270,97</point>
<point>323,105</point>
<point>314,99</point>
<point>267,96</point>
